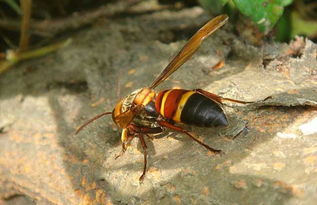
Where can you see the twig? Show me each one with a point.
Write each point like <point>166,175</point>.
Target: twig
<point>26,16</point>
<point>14,57</point>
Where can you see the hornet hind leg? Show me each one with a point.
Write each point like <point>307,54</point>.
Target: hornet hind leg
<point>179,129</point>
<point>218,98</point>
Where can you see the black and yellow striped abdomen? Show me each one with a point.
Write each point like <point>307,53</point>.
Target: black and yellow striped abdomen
<point>189,107</point>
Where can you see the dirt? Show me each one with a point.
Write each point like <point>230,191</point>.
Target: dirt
<point>270,147</point>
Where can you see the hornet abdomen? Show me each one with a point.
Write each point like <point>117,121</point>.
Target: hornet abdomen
<point>189,107</point>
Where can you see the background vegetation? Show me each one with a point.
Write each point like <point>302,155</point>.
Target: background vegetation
<point>39,23</point>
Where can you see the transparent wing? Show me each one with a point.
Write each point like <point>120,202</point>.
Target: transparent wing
<point>190,48</point>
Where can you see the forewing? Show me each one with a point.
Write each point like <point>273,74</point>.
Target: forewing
<point>190,47</point>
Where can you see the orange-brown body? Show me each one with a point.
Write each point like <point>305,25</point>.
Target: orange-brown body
<point>174,105</point>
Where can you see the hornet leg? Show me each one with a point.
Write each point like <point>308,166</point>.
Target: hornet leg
<point>218,98</point>
<point>126,140</point>
<point>179,129</point>
<point>143,144</point>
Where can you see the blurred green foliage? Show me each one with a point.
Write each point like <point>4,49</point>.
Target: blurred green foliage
<point>283,18</point>
<point>288,17</point>
<point>13,5</point>
<point>264,13</point>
